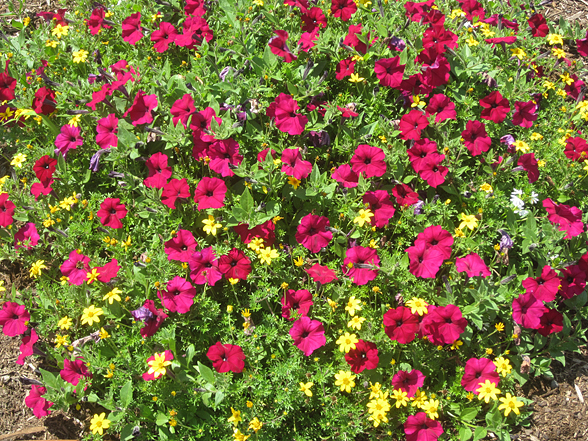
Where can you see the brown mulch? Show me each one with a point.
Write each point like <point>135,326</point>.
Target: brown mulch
<point>570,10</point>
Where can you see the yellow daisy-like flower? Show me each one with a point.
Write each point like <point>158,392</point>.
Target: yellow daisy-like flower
<point>456,344</point>
<point>488,391</point>
<point>235,418</point>
<point>419,399</point>
<point>18,160</point>
<point>36,268</point>
<point>468,221</point>
<point>499,327</point>
<point>80,56</point>
<point>157,366</point>
<point>557,52</point>
<point>401,397</point>
<point>430,407</point>
<point>104,334</point>
<point>536,136</point>
<point>472,41</point>
<point>345,381</point>
<point>355,78</point>
<point>92,276</point>
<point>455,13</point>
<point>60,31</point>
<point>486,187</point>
<point>347,342</point>
<point>554,39</point>
<point>305,387</point>
<point>99,422</point>
<point>353,305</point>
<point>519,53</point>
<point>91,315</point>
<point>210,225</point>
<point>363,216</point>
<point>417,306</point>
<point>51,43</point>
<point>356,322</point>
<point>267,254</point>
<point>510,403</point>
<point>61,340</point>
<point>112,296</point>
<point>294,182</point>
<point>256,244</point>
<point>255,424</point>
<point>65,323</point>
<point>332,304</point>
<point>299,261</point>
<point>503,366</point>
<point>239,436</point>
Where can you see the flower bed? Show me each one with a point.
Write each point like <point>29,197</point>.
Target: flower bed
<point>312,220</point>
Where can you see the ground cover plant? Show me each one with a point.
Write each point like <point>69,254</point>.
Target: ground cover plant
<point>294,219</point>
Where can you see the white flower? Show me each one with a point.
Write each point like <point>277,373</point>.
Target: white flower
<point>517,202</point>
<point>522,213</point>
<point>533,198</point>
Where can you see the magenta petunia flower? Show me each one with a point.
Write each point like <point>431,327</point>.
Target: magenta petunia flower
<point>443,324</point>
<point>26,347</point>
<point>286,118</point>
<point>75,268</point>
<point>96,21</point>
<point>7,85</point>
<point>420,427</point>
<point>343,9</point>
<point>107,129</point>
<point>442,107</point>
<point>582,45</point>
<point>266,231</point>
<point>164,36</point>
<point>346,112</point>
<point>308,40</point>
<point>364,356</point>
<point>345,176</point>
<point>173,190</point>
<point>44,101</point>
<point>496,107</point>
<point>420,151</point>
<point>308,335</point>
<point>529,163</point>
<point>26,237</point>
<point>412,124</point>
<point>181,246</point>
<point>140,110</point>
<point>210,193</point>
<point>131,28</point>
<point>551,322</point>
<point>545,286</point>
<point>279,47</point>
<point>313,19</point>
<point>401,324</point>
<point>226,357</point>
<point>111,212</point>
<point>438,37</point>
<point>527,311</point>
<point>178,295</point>
<point>576,149</point>
<point>201,121</point>
<point>311,233</point>
<point>13,319</point>
<point>361,264</point>
<point>369,161</point>
<point>525,113</point>
<point>472,8</point>
<point>417,11</point>
<point>405,196</point>
<point>408,381</point>
<point>35,401</point>
<point>381,206</point>
<point>204,267</point>
<point>568,218</point>
<point>435,237</point>
<point>167,356</point>
<point>321,274</point>
<point>300,4</point>
<point>424,262</point>
<point>478,370</point>
<point>37,189</point>
<point>538,25</point>
<point>195,31</point>
<point>108,271</point>
<point>235,265</point>
<point>151,317</point>
<point>224,155</point>
<point>436,71</point>
<point>345,68</point>
<point>475,137</point>
<point>69,138</point>
<point>389,71</point>
<point>182,109</point>
<point>74,371</point>
<point>294,165</point>
<point>432,171</point>
<point>298,301</point>
<point>472,265</point>
<point>573,281</point>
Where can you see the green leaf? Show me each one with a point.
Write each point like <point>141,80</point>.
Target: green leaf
<point>126,394</point>
<point>269,59</point>
<point>161,419</point>
<point>127,432</point>
<point>465,433</point>
<point>206,373</point>
<point>61,167</point>
<point>190,352</point>
<point>51,125</point>
<point>219,397</point>
<point>246,201</point>
<point>49,379</point>
<point>469,414</point>
<point>480,433</point>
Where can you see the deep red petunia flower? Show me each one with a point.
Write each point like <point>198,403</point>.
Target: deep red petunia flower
<point>26,237</point>
<point>401,324</point>
<point>573,281</point>
<point>496,107</point>
<point>343,9</point>
<point>525,113</point>
<point>159,171</point>
<point>424,262</point>
<point>321,274</point>
<point>107,129</point>
<point>300,4</point>
<point>420,427</point>
<point>111,212</point>
<point>294,165</point>
<point>438,37</point>
<point>412,124</point>
<point>313,19</point>
<point>296,301</point>
<point>175,189</point>
<point>475,137</point>
<point>364,356</point>
<point>308,335</point>
<point>75,268</point>
<point>381,206</point>
<point>204,267</point>
<point>346,112</point>
<point>279,47</point>
<point>34,400</point>
<point>181,246</point>
<point>223,155</point>
<point>45,167</point>
<point>472,265</point>
<point>443,324</point>
<point>472,8</point>
<point>527,311</point>
<point>164,36</point>
<point>435,237</point>
<point>582,45</point>
<point>478,370</point>
<point>405,196</point>
<point>368,160</point>
<point>389,71</point>
<point>69,138</point>
<point>151,316</point>
<point>266,231</point>
<point>408,381</point>
<point>286,119</point>
<point>345,68</point>
<point>544,287</point>
<point>39,188</point>
<point>182,109</point>
<point>361,264</point>
<point>442,107</point>
<point>235,265</point>
<point>568,218</point>
<point>44,101</point>
<point>178,295</point>
<point>7,85</point>
<point>311,233</point>
<point>417,11</point>
<point>13,319</point>
<point>210,193</point>
<point>226,357</point>
<point>530,164</point>
<point>167,356</point>
<point>345,176</point>
<point>538,25</point>
<point>131,28</point>
<point>140,111</point>
<point>551,322</point>
<point>26,347</point>
<point>576,149</point>
<point>74,371</point>
<point>96,21</point>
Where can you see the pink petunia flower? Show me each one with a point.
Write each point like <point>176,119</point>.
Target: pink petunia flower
<point>69,138</point>
<point>544,287</point>
<point>196,30</point>
<point>478,370</point>
<point>405,196</point>
<point>389,71</point>
<point>266,231</point>
<point>573,281</point>
<point>164,36</point>
<point>525,113</point>
<point>279,47</point>
<point>343,9</point>
<point>159,171</point>
<point>151,317</point>
<point>442,107</point>
<point>7,84</point>
<point>35,401</point>
<point>131,28</point>
<point>235,265</point>
<point>74,371</point>
<point>424,262</point>
<point>530,164</point>
<point>13,319</point>
<point>298,301</point>
<point>408,381</point>
<point>443,324</point>
<point>345,176</point>
<point>75,268</point>
<point>420,427</point>
<point>111,212</point>
<point>107,129</point>
<point>37,189</point>
<point>475,137</point>
<point>294,165</point>
<point>361,264</point>
<point>167,356</point>
<point>420,151</point>
<point>412,124</point>
<point>496,107</point>
<point>364,356</point>
<point>204,267</point>
<point>381,206</point>
<point>582,45</point>
<point>321,274</point>
<point>472,265</point>
<point>568,218</point>
<point>174,190</point>
<point>108,271</point>
<point>96,21</point>
<point>308,335</point>
<point>345,68</point>
<point>226,357</point>
<point>44,102</point>
<point>181,246</point>
<point>224,155</point>
<point>401,324</point>
<point>313,19</point>
<point>26,237</point>
<point>140,110</point>
<point>435,237</point>
<point>182,109</point>
<point>210,193</point>
<point>178,295</point>
<point>527,311</point>
<point>311,233</point>
<point>286,119</point>
<point>26,347</point>
<point>369,161</point>
<point>45,167</point>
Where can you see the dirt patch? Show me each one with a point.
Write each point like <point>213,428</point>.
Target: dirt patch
<point>570,10</point>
